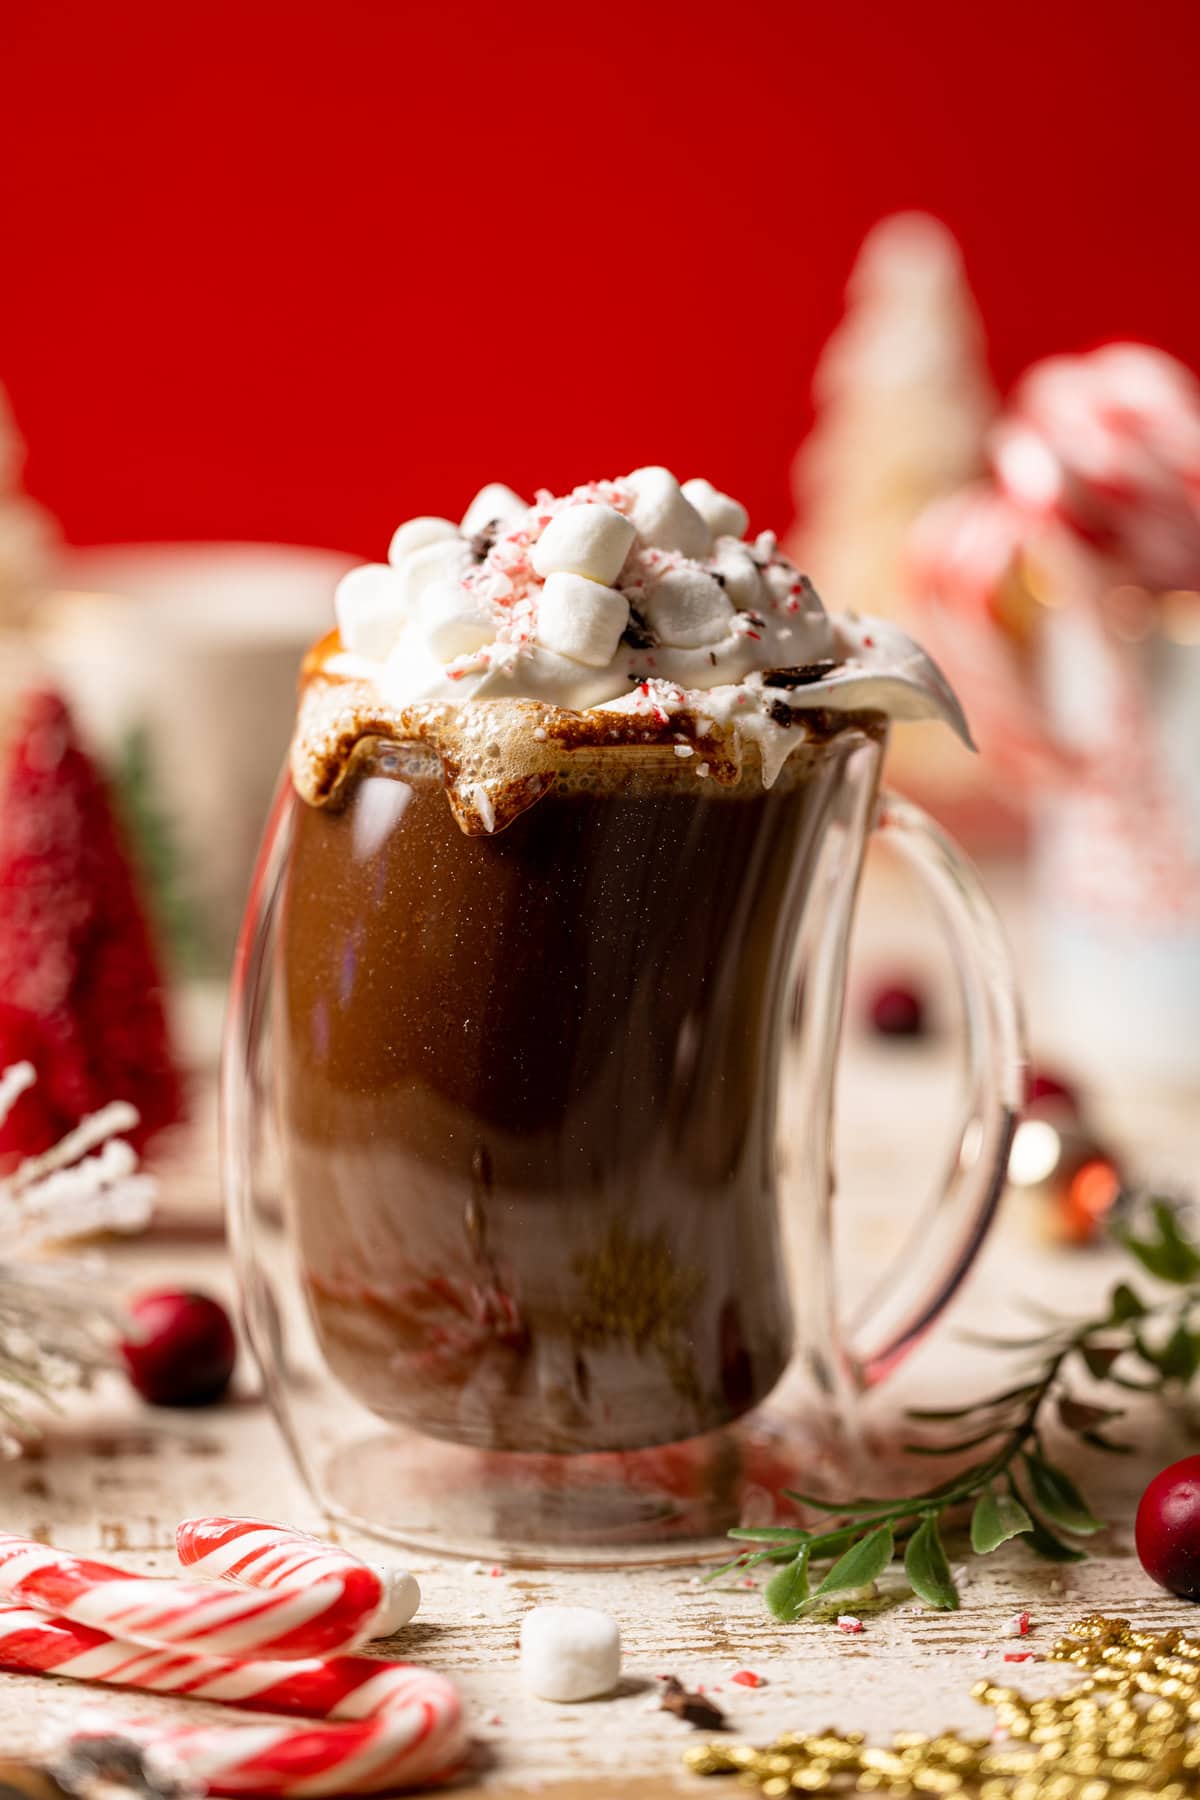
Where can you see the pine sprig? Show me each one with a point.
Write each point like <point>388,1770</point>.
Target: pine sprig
<point>1013,1490</point>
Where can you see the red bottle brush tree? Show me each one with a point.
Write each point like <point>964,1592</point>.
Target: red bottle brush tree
<point>81,992</point>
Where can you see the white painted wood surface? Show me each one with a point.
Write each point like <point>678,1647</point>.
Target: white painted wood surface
<point>112,1478</point>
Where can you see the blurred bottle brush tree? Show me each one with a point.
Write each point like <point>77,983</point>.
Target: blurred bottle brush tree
<point>1013,1490</point>
<point>81,987</point>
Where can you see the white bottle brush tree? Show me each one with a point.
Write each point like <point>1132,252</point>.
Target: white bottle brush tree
<point>56,1330</point>
<point>27,533</point>
<point>903,403</point>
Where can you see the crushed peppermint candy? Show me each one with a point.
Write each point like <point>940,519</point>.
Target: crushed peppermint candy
<point>848,1623</point>
<point>1017,1626</point>
<point>747,1678</point>
<point>1019,1656</point>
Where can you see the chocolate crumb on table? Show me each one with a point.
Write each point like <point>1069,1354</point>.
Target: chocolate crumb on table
<point>693,1709</point>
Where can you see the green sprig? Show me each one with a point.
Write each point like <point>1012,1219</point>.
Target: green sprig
<point>1014,1490</point>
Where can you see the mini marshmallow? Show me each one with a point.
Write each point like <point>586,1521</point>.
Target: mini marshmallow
<point>401,1598</point>
<point>686,607</point>
<point>724,516</point>
<point>452,620</point>
<point>570,1652</point>
<point>446,559</point>
<point>581,619</point>
<point>590,540</point>
<point>369,606</point>
<point>741,576</point>
<point>663,516</point>
<point>414,534</point>
<point>495,501</point>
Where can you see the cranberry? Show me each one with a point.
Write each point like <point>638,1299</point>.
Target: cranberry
<point>1167,1531</point>
<point>180,1350</point>
<point>898,1011</point>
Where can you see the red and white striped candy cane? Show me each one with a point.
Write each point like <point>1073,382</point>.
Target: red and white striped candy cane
<point>335,1687</point>
<point>329,1613</point>
<point>406,1749</point>
<point>260,1554</point>
<point>1110,443</point>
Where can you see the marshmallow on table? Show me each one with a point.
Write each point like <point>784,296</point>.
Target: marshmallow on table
<point>495,501</point>
<point>570,1652</point>
<point>581,619</point>
<point>414,534</point>
<point>452,621</point>
<point>663,516</point>
<point>686,607</point>
<point>401,1599</point>
<point>369,606</point>
<point>590,539</point>
<point>724,516</point>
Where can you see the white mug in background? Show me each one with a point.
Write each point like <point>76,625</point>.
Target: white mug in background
<point>194,648</point>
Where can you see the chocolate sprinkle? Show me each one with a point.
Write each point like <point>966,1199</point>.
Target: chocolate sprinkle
<point>637,634</point>
<point>483,540</point>
<point>693,1709</point>
<point>802,676</point>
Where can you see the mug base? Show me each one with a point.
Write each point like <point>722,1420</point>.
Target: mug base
<point>672,1504</point>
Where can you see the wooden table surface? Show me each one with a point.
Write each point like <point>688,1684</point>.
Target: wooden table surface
<point>112,1477</point>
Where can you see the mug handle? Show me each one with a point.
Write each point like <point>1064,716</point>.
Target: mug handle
<point>907,1300</point>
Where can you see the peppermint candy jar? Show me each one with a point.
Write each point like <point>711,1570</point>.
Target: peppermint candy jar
<point>1064,597</point>
<point>1116,853</point>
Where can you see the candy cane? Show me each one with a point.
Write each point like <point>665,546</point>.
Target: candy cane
<point>1110,443</point>
<point>336,1687</point>
<point>330,1613</point>
<point>259,1554</point>
<point>403,1724</point>
<point>419,1746</point>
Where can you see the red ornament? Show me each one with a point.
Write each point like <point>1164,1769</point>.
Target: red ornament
<point>898,1010</point>
<point>180,1350</point>
<point>1089,1199</point>
<point>1048,1091</point>
<point>1167,1529</point>
<point>81,985</point>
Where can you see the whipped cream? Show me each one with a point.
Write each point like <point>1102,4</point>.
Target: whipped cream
<point>639,594</point>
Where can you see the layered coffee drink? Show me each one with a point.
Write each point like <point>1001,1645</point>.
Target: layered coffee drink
<point>565,776</point>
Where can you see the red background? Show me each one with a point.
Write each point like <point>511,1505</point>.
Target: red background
<point>297,270</point>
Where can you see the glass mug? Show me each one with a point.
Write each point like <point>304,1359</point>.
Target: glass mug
<point>505,1153</point>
